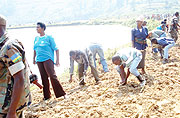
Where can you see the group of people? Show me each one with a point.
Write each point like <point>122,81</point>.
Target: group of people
<point>14,81</point>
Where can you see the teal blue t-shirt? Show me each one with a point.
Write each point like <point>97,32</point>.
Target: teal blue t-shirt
<point>44,47</point>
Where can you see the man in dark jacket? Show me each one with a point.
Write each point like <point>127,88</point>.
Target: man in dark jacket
<point>84,59</point>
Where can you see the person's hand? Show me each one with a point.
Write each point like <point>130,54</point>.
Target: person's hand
<point>34,62</point>
<point>57,63</point>
<point>124,65</point>
<point>11,115</point>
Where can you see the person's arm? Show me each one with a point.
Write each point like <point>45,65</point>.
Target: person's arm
<point>16,94</point>
<point>55,48</point>
<point>122,72</point>
<point>132,38</point>
<point>57,58</point>
<point>70,80</point>
<point>128,73</point>
<point>34,57</point>
<point>71,69</point>
<point>146,30</point>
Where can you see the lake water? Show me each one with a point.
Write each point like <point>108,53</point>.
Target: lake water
<point>73,37</point>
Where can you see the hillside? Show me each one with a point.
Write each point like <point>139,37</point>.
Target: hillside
<point>160,98</point>
<point>20,12</point>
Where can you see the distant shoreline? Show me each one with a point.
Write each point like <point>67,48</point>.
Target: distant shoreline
<point>93,22</point>
<point>123,22</point>
<point>49,25</point>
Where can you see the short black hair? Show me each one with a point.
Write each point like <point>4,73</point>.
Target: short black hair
<point>72,52</point>
<point>42,25</point>
<point>177,13</point>
<point>154,39</point>
<point>144,21</point>
<point>115,57</point>
<point>163,22</point>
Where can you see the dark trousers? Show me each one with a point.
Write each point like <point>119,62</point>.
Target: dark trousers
<point>46,70</point>
<point>142,62</point>
<point>93,69</point>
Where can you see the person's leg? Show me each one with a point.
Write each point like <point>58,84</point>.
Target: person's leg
<point>3,115</point>
<point>20,114</point>
<point>134,64</point>
<point>80,72</point>
<point>134,71</point>
<point>143,62</point>
<point>93,69</point>
<point>95,73</point>
<point>45,81</point>
<point>94,51</point>
<point>102,59</point>
<point>166,52</point>
<point>161,52</point>
<point>174,35</point>
<point>49,67</point>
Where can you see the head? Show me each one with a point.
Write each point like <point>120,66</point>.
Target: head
<point>72,54</point>
<point>116,60</point>
<point>139,21</point>
<point>162,22</point>
<point>144,23</point>
<point>2,25</point>
<point>165,21</point>
<point>177,14</point>
<point>154,41</point>
<point>41,27</point>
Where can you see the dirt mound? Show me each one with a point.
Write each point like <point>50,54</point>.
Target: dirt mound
<point>160,98</point>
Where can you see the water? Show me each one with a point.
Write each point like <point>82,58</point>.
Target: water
<point>73,37</point>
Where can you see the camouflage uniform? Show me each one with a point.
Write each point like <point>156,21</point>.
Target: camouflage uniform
<point>174,29</point>
<point>12,60</point>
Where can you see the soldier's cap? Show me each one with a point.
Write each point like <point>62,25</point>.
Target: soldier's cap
<point>2,20</point>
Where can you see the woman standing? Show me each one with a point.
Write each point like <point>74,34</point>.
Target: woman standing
<point>44,47</point>
<point>139,35</point>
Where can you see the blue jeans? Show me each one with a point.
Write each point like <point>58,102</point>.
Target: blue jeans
<point>166,48</point>
<point>97,49</point>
